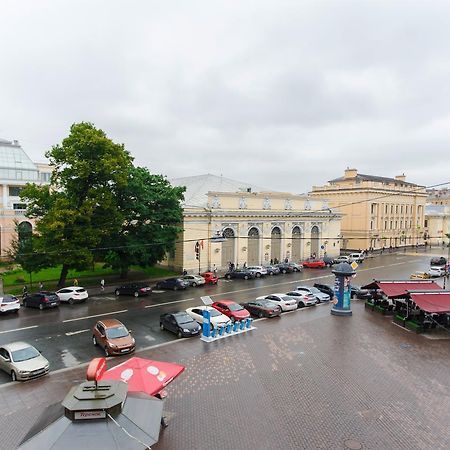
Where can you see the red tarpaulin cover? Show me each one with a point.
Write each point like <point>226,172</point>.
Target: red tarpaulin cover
<point>399,288</point>
<point>432,302</point>
<point>144,375</point>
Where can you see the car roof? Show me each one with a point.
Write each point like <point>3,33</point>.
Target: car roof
<point>111,323</point>
<point>227,302</point>
<point>13,346</point>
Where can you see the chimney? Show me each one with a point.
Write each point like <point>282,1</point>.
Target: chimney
<point>350,173</point>
<point>401,177</point>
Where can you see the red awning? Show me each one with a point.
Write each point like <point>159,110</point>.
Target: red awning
<point>432,302</point>
<point>399,288</point>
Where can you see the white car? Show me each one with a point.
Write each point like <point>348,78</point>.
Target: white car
<point>216,317</point>
<point>194,280</point>
<point>436,272</point>
<point>321,296</point>
<point>303,298</point>
<point>341,259</point>
<point>286,303</point>
<point>9,303</point>
<point>358,257</point>
<point>259,271</point>
<point>72,294</point>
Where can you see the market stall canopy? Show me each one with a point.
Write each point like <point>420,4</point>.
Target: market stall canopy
<point>400,288</point>
<point>432,302</point>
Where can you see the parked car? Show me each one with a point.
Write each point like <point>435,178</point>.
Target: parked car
<point>216,318</point>
<point>285,267</point>
<point>21,361</point>
<point>180,323</point>
<point>325,288</point>
<point>285,302</point>
<point>262,308</point>
<point>259,271</point>
<point>210,277</point>
<point>193,280</point>
<point>302,298</point>
<point>328,261</point>
<point>419,275</point>
<point>171,283</point>
<point>314,291</point>
<point>272,270</point>
<point>245,274</point>
<point>358,257</point>
<point>72,294</point>
<point>137,289</point>
<point>312,263</point>
<point>435,272</point>
<point>231,309</point>
<point>295,266</point>
<point>438,261</point>
<point>9,303</point>
<point>41,300</point>
<point>113,336</point>
<point>357,292</point>
<point>341,259</point>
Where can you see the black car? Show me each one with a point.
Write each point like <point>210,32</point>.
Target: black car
<point>362,294</point>
<point>325,289</point>
<point>41,300</point>
<point>328,261</point>
<point>180,323</point>
<point>285,268</point>
<point>171,283</point>
<point>262,308</point>
<point>245,274</point>
<point>136,289</point>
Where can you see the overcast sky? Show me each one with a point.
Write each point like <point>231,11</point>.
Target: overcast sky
<point>281,94</point>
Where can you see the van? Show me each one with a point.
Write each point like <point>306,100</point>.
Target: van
<point>358,257</point>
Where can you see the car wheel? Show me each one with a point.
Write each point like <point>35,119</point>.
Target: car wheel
<point>246,277</point>
<point>94,341</point>
<point>16,311</point>
<point>301,305</point>
<point>260,314</point>
<point>13,376</point>
<point>175,288</point>
<point>228,276</point>
<point>106,351</point>
<point>179,334</point>
<point>258,275</point>
<point>161,326</point>
<point>117,292</point>
<point>284,271</point>
<point>194,284</point>
<point>270,273</point>
<point>41,306</point>
<point>136,294</point>
<point>70,301</point>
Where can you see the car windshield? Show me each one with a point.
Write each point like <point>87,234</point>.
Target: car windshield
<point>214,313</point>
<point>235,307</point>
<point>8,299</point>
<point>116,332</point>
<point>184,319</point>
<point>24,354</point>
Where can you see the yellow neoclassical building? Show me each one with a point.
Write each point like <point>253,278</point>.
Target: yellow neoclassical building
<point>259,225</point>
<point>377,211</point>
<point>437,224</point>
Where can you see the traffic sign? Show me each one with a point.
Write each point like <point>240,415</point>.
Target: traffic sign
<point>354,265</point>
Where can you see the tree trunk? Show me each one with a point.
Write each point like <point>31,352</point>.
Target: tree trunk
<point>123,272</point>
<point>63,275</point>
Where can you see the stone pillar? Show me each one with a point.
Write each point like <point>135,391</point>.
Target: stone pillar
<point>344,273</point>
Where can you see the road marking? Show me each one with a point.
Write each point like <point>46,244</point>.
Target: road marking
<point>71,333</point>
<point>169,303</point>
<point>96,315</point>
<point>158,292</point>
<point>18,329</point>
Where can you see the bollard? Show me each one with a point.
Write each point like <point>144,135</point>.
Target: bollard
<point>235,325</point>
<point>249,323</point>
<point>221,330</point>
<point>242,325</point>
<point>228,328</point>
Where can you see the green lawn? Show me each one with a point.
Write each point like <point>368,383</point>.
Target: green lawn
<point>14,280</point>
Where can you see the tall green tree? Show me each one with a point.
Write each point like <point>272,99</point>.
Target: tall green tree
<point>78,209</point>
<point>152,214</point>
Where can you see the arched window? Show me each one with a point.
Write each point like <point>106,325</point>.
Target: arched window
<point>275,244</point>
<point>296,244</point>
<point>315,240</point>
<point>253,246</point>
<point>228,247</point>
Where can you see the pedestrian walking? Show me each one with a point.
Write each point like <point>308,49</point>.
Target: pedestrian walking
<point>24,291</point>
<point>102,284</point>
<point>75,282</point>
<point>184,272</point>
<point>41,285</point>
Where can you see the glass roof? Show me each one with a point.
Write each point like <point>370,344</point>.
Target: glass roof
<point>15,163</point>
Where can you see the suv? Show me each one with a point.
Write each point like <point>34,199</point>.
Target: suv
<point>41,300</point>
<point>358,257</point>
<point>259,271</point>
<point>113,336</point>
<point>9,303</point>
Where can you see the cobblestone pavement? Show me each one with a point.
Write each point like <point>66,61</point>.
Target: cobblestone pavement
<point>307,380</point>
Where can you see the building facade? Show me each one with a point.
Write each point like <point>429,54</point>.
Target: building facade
<point>258,227</point>
<point>377,211</point>
<point>437,224</point>
<point>439,197</point>
<point>16,170</point>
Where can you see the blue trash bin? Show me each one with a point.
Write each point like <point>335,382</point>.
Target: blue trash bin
<point>221,330</point>
<point>236,325</point>
<point>213,333</point>
<point>228,328</point>
<point>249,323</point>
<point>242,325</point>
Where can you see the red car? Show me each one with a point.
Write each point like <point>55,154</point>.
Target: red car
<point>231,309</point>
<point>314,263</point>
<point>210,277</point>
